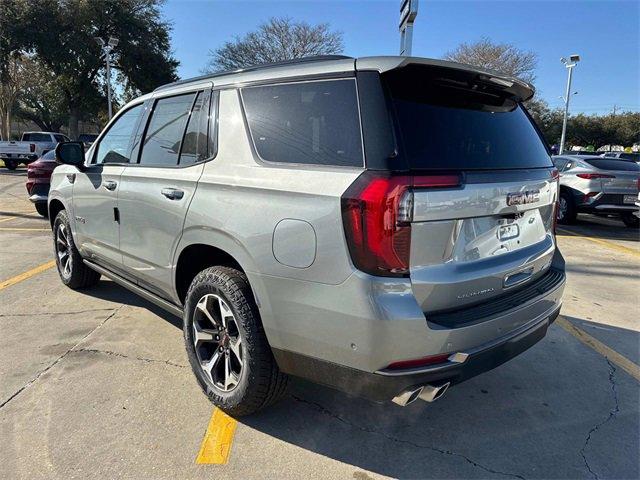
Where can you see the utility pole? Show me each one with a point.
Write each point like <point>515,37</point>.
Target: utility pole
<point>569,64</point>
<point>408,14</point>
<point>107,48</point>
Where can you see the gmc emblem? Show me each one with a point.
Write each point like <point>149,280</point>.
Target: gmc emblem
<point>520,198</point>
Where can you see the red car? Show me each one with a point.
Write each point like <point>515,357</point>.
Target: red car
<point>38,180</point>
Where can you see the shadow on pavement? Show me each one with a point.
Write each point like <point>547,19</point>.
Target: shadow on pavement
<point>601,227</point>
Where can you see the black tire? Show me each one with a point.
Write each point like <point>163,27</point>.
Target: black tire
<point>75,275</point>
<point>11,164</point>
<point>260,382</point>
<point>630,220</point>
<point>41,208</point>
<point>567,215</point>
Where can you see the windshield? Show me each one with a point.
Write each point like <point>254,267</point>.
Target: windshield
<point>611,164</point>
<point>446,125</point>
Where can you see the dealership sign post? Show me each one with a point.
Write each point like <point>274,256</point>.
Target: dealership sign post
<point>408,14</point>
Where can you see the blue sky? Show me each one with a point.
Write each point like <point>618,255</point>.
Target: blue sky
<point>605,33</point>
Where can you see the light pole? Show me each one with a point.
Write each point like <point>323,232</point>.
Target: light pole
<point>107,48</point>
<point>569,64</point>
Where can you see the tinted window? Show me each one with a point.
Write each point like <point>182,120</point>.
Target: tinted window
<point>50,156</point>
<point>447,125</point>
<point>195,143</point>
<point>114,145</point>
<point>611,164</point>
<point>308,123</point>
<point>560,163</point>
<point>60,138</point>
<point>36,137</point>
<point>631,156</point>
<point>87,137</point>
<point>165,130</point>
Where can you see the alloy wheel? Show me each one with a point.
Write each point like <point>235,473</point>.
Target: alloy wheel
<point>63,250</point>
<point>217,342</point>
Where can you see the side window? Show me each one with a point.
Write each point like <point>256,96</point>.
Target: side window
<point>559,164</point>
<point>313,122</point>
<point>195,143</point>
<point>114,145</point>
<point>165,129</point>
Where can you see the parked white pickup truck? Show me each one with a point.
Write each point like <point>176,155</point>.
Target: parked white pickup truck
<point>32,146</point>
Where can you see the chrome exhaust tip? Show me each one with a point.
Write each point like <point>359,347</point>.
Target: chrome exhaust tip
<point>431,393</point>
<point>407,396</point>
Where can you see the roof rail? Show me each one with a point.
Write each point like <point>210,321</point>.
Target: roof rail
<point>295,61</point>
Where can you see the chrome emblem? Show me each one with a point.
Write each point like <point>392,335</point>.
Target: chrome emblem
<point>521,198</point>
<point>475,294</point>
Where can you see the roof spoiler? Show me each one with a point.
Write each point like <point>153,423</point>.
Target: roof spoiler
<point>513,87</point>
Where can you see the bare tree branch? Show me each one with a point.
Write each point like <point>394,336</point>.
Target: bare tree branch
<point>276,40</point>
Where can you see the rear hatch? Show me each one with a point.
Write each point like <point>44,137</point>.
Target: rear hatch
<point>490,231</point>
<point>618,177</point>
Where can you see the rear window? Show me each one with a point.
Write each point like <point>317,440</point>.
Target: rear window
<point>306,123</point>
<point>50,155</point>
<point>36,137</point>
<point>445,125</point>
<point>611,164</point>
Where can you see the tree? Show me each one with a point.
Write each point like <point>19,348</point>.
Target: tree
<point>64,43</point>
<point>42,100</point>
<point>501,57</point>
<point>276,40</point>
<point>10,86</point>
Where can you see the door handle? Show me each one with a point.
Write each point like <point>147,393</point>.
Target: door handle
<point>110,185</point>
<point>172,193</point>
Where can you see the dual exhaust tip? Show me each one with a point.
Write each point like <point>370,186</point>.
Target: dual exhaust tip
<point>428,393</point>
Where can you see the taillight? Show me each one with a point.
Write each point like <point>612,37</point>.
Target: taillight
<point>591,176</point>
<point>555,175</point>
<point>376,212</point>
<point>420,362</point>
<point>32,147</point>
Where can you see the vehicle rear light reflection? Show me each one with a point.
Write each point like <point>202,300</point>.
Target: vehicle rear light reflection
<point>419,362</point>
<point>591,176</point>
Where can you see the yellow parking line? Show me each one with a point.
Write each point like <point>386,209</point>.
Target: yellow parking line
<point>17,229</point>
<point>620,360</point>
<point>27,274</point>
<point>216,444</point>
<point>611,245</point>
<point>7,219</point>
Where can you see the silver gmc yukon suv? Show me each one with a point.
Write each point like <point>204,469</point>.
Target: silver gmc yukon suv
<point>382,225</point>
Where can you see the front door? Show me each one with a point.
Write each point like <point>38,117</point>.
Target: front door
<point>95,192</point>
<point>155,194</point>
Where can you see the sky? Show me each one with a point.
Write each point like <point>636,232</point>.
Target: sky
<point>606,34</point>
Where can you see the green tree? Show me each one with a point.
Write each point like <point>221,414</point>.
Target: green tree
<point>64,42</point>
<point>276,40</point>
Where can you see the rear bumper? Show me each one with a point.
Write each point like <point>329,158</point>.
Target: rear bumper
<point>607,203</point>
<point>39,192</point>
<point>383,385</point>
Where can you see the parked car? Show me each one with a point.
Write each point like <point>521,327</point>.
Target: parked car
<point>32,146</point>
<point>296,233</point>
<point>38,180</point>
<point>87,139</point>
<point>597,185</point>
<point>630,156</point>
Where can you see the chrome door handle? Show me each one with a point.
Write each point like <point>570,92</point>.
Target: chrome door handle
<point>110,185</point>
<point>172,193</point>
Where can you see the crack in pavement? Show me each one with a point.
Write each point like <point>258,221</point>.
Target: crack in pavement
<point>57,360</point>
<point>122,355</point>
<point>612,413</point>
<point>319,408</point>
<point>2,315</point>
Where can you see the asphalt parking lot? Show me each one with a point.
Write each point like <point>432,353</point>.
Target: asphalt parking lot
<point>97,384</point>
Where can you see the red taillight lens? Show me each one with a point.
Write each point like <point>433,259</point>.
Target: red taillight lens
<point>419,362</point>
<point>376,211</point>
<point>591,176</point>
<point>32,147</point>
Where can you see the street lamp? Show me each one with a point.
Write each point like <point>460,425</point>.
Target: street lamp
<point>569,64</point>
<point>107,48</point>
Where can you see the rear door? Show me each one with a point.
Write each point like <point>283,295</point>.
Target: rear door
<point>155,193</point>
<point>493,233</point>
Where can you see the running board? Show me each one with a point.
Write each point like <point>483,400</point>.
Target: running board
<point>152,297</point>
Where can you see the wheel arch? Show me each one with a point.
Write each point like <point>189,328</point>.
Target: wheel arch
<point>55,207</point>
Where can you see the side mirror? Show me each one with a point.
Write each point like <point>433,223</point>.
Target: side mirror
<point>71,153</point>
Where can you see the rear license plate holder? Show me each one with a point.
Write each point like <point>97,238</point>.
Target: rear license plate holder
<point>629,199</point>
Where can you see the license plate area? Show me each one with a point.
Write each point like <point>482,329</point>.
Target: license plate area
<point>508,232</point>
<point>631,199</point>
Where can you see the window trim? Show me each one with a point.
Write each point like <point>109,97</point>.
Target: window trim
<point>252,142</point>
<point>213,91</point>
<point>92,161</point>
